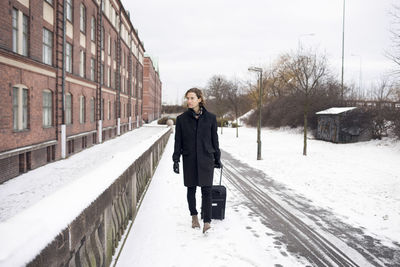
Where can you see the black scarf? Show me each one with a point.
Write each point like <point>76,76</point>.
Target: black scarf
<point>197,115</point>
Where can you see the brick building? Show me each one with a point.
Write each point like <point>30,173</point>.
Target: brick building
<point>48,109</point>
<point>151,90</point>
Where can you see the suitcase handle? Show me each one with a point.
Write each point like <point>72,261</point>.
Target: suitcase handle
<point>220,177</point>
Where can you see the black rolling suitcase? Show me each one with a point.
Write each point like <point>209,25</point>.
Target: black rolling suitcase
<point>218,202</point>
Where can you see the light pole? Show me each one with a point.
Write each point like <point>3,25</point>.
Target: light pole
<point>302,35</point>
<point>360,74</point>
<point>260,71</point>
<point>342,85</point>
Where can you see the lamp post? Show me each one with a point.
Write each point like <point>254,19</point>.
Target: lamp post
<point>260,71</point>
<point>342,85</point>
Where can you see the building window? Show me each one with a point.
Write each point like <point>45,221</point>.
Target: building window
<point>47,46</point>
<point>15,29</point>
<point>102,38</point>
<point>82,109</point>
<point>93,29</point>
<point>25,35</point>
<point>82,64</point>
<point>69,10</point>
<point>83,19</point>
<point>68,108</point>
<point>18,34</point>
<point>109,110</point>
<point>109,45</point>
<point>50,2</point>
<point>102,73</point>
<point>47,108</point>
<point>102,109</point>
<point>92,69</point>
<point>68,57</point>
<point>92,109</point>
<point>109,76</point>
<point>20,108</point>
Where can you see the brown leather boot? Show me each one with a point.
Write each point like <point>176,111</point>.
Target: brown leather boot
<point>195,221</point>
<point>206,227</point>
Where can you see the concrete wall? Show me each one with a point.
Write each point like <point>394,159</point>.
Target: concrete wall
<point>91,239</point>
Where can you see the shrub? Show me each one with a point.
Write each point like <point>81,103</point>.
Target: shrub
<point>224,121</point>
<point>163,120</point>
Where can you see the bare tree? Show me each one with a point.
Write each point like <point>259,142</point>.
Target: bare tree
<point>236,101</point>
<point>216,90</point>
<point>305,71</point>
<point>394,53</point>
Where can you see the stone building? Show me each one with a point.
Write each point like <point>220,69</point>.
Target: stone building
<point>151,90</point>
<point>56,99</point>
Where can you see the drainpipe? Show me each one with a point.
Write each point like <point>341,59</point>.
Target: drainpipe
<point>63,127</point>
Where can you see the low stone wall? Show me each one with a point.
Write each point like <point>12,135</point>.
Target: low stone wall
<point>91,239</point>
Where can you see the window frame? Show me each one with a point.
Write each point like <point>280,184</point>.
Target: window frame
<point>47,58</point>
<point>70,10</point>
<point>47,108</point>
<point>68,108</point>
<point>82,18</point>
<point>15,30</point>
<point>82,109</point>
<point>93,29</point>
<point>68,57</point>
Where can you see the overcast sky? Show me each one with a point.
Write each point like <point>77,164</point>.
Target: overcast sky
<point>194,40</point>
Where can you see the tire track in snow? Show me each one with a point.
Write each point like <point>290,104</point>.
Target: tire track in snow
<point>300,235</point>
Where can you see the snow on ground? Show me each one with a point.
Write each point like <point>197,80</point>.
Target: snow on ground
<point>359,182</point>
<point>38,205</point>
<point>161,234</point>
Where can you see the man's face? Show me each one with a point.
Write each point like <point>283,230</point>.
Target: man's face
<point>192,100</point>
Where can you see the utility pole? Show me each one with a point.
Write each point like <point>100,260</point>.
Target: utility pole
<point>342,85</point>
<point>260,71</point>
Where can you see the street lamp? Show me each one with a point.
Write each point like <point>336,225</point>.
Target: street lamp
<point>342,85</point>
<point>260,71</point>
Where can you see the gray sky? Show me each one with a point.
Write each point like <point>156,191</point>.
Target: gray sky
<point>194,40</point>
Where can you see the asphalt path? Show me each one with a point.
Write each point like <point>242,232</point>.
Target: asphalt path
<point>305,230</point>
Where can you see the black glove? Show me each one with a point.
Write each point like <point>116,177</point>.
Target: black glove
<point>176,167</point>
<point>217,164</point>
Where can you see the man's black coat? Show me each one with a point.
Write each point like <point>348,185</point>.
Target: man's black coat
<point>197,141</point>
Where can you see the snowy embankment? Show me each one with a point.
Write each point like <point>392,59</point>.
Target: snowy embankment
<point>359,182</point>
<point>37,206</point>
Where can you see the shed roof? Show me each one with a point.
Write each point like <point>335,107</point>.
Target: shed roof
<point>332,111</point>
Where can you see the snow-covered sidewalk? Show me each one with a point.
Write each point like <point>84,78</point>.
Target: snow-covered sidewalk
<point>37,206</point>
<point>161,234</point>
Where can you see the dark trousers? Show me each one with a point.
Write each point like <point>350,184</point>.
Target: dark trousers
<point>205,202</point>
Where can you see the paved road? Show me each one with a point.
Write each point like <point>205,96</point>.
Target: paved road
<point>305,230</point>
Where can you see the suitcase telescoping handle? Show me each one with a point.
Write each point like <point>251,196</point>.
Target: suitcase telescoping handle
<point>220,176</point>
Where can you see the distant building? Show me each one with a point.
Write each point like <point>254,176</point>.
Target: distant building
<point>151,90</point>
<point>102,79</point>
<point>337,125</point>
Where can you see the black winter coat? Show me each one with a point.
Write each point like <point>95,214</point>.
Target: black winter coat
<point>197,141</point>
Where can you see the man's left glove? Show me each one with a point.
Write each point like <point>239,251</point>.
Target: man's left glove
<point>217,164</point>
<point>176,167</point>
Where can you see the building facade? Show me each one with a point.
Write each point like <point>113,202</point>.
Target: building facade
<point>152,88</point>
<point>56,97</point>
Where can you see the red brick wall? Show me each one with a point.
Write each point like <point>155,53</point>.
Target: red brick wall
<point>9,168</point>
<point>39,157</point>
<point>35,83</point>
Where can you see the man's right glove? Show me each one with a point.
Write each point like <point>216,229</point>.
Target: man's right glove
<point>217,164</point>
<point>176,167</point>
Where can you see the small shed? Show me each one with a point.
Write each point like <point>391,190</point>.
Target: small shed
<point>342,125</point>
